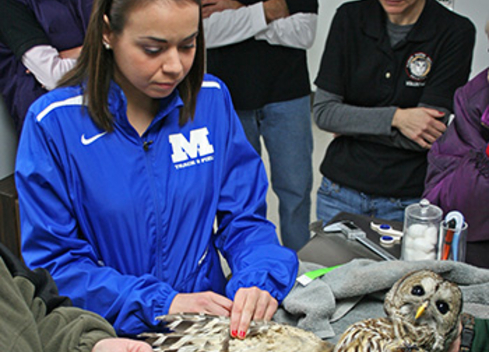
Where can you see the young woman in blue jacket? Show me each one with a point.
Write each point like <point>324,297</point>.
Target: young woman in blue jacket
<point>136,174</point>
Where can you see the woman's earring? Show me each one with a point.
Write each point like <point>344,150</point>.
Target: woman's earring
<point>107,46</point>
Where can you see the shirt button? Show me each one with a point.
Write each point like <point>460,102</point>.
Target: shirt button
<point>387,75</point>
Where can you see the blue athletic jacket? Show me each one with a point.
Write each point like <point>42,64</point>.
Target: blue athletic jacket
<point>124,223</point>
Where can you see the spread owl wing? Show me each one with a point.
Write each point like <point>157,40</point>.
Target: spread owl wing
<point>207,333</point>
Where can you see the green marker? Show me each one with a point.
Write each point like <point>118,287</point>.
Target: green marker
<point>307,278</point>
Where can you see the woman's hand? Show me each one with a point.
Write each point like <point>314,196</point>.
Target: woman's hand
<point>250,304</point>
<point>201,302</point>
<point>73,53</point>
<point>420,124</point>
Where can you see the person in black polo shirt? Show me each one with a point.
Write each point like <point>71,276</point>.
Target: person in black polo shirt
<point>385,89</point>
<point>258,48</point>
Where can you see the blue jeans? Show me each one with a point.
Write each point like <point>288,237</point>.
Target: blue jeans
<point>333,199</point>
<point>287,133</point>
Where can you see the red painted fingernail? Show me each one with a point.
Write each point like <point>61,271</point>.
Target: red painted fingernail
<point>234,333</point>
<point>242,334</point>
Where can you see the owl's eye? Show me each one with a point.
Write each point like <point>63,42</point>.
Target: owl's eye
<point>442,306</point>
<point>417,290</point>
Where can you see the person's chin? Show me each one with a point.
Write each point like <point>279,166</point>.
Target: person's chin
<point>163,90</point>
<point>391,4</point>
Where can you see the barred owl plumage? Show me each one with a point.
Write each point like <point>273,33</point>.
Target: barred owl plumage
<point>207,333</point>
<point>423,312</point>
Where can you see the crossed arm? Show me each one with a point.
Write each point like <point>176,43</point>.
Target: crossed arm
<point>21,32</point>
<point>228,22</point>
<point>414,128</point>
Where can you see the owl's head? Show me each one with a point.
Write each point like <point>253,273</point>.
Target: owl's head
<point>423,298</point>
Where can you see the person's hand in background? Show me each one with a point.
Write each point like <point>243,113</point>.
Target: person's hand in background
<point>72,53</point>
<point>211,6</point>
<point>275,9</point>
<point>420,124</point>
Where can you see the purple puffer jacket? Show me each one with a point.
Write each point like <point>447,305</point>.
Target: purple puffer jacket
<point>458,167</point>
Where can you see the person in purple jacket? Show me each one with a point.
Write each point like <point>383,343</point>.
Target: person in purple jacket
<point>458,165</point>
<point>39,42</point>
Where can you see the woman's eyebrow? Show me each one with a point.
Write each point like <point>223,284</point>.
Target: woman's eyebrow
<point>162,40</point>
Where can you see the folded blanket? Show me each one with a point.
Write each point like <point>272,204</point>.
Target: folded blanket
<point>355,291</point>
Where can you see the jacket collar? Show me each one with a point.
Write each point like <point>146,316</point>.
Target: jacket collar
<point>118,106</point>
<point>374,21</point>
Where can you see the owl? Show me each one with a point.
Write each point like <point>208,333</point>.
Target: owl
<point>423,314</point>
<point>189,332</point>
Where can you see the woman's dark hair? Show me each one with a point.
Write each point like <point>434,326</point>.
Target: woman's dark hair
<point>95,66</point>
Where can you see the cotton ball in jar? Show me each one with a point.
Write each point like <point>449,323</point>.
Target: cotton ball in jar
<point>416,230</point>
<point>420,242</point>
<point>431,236</point>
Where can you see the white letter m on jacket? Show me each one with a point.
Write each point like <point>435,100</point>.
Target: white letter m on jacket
<point>197,146</point>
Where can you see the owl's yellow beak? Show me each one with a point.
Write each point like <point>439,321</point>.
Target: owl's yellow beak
<point>421,309</point>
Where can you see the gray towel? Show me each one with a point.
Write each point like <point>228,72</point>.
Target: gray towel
<point>355,291</point>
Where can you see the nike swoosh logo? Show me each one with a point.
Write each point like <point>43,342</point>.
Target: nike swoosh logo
<point>87,141</point>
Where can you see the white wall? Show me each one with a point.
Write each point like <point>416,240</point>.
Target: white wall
<point>476,10</point>
<point>8,142</point>
<point>327,9</point>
